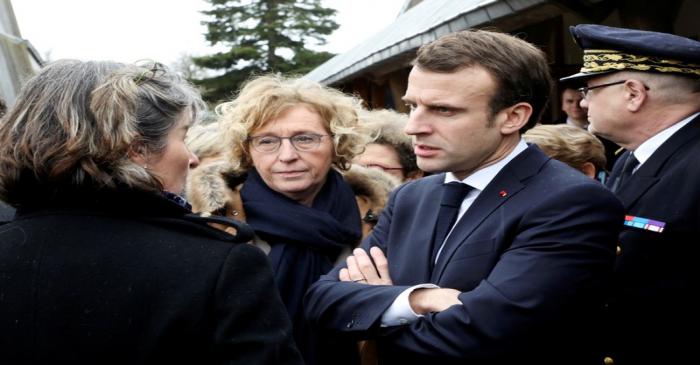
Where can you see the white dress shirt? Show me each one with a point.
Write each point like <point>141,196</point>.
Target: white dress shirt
<point>400,311</point>
<point>648,147</point>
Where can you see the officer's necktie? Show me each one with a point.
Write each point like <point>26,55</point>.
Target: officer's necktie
<point>452,196</point>
<point>630,163</point>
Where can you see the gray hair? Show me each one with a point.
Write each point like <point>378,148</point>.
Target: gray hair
<point>74,123</point>
<point>670,88</point>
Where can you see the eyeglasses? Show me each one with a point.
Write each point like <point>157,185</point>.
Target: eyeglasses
<point>584,90</point>
<point>381,167</point>
<point>300,142</point>
<point>370,217</point>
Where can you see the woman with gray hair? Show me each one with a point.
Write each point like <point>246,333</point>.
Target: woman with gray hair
<point>104,262</point>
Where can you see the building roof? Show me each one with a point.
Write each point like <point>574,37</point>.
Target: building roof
<point>419,25</point>
<point>18,58</point>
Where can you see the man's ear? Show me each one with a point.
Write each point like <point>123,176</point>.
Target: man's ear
<point>516,117</point>
<point>635,94</point>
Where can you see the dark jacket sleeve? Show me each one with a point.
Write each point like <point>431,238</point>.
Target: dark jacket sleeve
<point>252,326</point>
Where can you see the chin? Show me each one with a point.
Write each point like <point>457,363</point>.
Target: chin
<point>430,167</point>
<point>176,189</point>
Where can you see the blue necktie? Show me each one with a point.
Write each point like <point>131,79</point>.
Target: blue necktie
<point>630,163</point>
<point>452,196</point>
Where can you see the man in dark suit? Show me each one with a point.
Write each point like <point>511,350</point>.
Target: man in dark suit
<point>523,271</point>
<point>643,92</point>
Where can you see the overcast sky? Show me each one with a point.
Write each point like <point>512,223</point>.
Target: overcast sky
<point>162,30</point>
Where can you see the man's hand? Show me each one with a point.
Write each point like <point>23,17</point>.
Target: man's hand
<point>426,300</point>
<point>361,269</point>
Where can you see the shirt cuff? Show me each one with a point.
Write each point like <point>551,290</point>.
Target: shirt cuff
<point>400,311</point>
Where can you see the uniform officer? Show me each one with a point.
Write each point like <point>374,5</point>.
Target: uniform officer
<point>643,92</point>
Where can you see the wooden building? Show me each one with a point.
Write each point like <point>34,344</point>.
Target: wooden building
<point>377,68</point>
<point>18,58</point>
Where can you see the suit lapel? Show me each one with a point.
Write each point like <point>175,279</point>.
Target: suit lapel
<point>507,183</point>
<point>648,174</point>
<point>615,173</point>
<point>425,236</point>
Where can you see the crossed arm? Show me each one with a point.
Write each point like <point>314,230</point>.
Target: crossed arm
<point>375,271</point>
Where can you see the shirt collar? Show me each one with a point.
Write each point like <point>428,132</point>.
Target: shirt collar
<point>646,149</point>
<point>479,179</point>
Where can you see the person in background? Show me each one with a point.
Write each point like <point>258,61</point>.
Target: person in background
<point>105,263</point>
<point>571,145</point>
<point>504,254</point>
<point>391,150</point>
<point>285,141</point>
<point>204,140</point>
<point>372,188</point>
<point>642,91</point>
<point>577,116</point>
<point>574,114</point>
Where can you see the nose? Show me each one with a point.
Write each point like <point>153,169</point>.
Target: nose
<point>194,160</point>
<point>584,103</point>
<point>287,152</point>
<point>417,123</point>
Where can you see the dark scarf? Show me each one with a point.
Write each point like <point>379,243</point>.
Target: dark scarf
<point>305,241</point>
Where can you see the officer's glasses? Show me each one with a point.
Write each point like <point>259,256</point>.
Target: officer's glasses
<point>584,90</point>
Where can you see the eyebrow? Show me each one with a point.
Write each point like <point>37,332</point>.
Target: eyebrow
<point>434,104</point>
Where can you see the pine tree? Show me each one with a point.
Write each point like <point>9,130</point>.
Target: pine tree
<point>262,36</point>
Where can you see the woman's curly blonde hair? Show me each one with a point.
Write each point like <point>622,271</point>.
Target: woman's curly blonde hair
<point>264,98</point>
<point>572,145</point>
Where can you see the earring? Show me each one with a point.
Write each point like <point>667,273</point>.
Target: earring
<point>145,167</point>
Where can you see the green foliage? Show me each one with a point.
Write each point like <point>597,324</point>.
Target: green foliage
<point>262,36</point>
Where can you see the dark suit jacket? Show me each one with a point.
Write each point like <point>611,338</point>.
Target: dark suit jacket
<point>128,278</point>
<point>652,308</point>
<point>531,257</point>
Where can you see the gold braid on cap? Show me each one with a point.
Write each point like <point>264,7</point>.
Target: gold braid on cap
<point>597,60</point>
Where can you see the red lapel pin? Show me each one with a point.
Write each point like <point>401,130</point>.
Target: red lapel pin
<point>502,193</point>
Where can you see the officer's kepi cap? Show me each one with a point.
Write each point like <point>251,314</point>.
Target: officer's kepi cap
<point>608,49</point>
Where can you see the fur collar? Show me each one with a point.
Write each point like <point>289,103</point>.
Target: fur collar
<point>214,187</point>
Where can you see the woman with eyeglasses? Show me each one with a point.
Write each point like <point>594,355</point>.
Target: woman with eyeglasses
<point>287,140</point>
<point>104,262</point>
<point>391,149</point>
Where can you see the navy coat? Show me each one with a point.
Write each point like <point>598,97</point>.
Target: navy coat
<point>653,306</point>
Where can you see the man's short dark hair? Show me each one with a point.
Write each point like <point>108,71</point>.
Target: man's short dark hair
<point>519,68</point>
